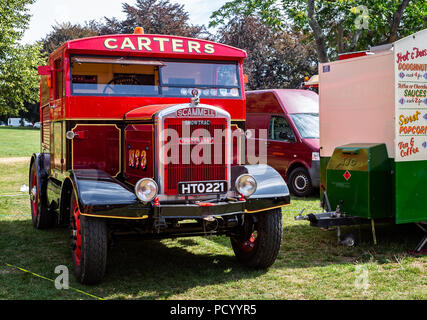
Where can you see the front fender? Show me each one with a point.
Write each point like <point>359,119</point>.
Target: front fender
<point>99,194</point>
<point>272,191</point>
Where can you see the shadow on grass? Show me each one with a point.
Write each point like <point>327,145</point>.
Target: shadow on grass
<point>140,269</point>
<point>304,246</point>
<point>154,269</point>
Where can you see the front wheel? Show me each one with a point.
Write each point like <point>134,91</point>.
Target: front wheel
<point>40,215</point>
<point>89,245</point>
<point>258,243</point>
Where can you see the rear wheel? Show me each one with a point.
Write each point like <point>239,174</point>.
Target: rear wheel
<point>299,182</point>
<point>89,245</point>
<point>40,215</point>
<point>259,241</point>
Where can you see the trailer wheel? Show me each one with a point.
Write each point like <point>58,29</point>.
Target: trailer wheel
<point>258,243</point>
<point>40,215</point>
<point>348,240</point>
<point>299,182</point>
<point>89,245</point>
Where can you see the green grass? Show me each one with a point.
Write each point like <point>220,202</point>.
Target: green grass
<point>19,142</point>
<point>311,265</point>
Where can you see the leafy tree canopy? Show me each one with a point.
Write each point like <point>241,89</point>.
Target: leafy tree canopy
<point>155,16</point>
<point>276,59</point>
<point>336,26</point>
<point>18,63</point>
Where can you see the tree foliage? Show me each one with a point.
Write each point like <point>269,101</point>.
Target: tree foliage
<point>155,16</point>
<point>335,26</point>
<point>276,59</point>
<point>18,63</point>
<point>67,31</point>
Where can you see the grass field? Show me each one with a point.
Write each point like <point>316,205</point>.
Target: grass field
<point>311,265</point>
<point>19,142</point>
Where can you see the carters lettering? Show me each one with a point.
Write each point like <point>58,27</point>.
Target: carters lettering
<point>159,44</point>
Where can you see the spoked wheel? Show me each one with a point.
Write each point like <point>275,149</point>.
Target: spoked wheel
<point>40,215</point>
<point>76,234</point>
<point>259,241</point>
<point>89,245</point>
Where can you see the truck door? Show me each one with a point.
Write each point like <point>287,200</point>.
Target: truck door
<point>56,110</point>
<point>282,144</point>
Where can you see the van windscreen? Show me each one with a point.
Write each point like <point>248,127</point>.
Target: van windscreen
<point>307,124</point>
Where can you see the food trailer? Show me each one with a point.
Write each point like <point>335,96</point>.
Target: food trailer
<point>373,137</point>
<point>144,135</point>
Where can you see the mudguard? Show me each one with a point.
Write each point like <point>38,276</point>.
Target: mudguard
<point>272,191</point>
<point>99,194</point>
<point>42,163</point>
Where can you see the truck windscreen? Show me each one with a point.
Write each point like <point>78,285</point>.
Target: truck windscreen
<point>119,76</point>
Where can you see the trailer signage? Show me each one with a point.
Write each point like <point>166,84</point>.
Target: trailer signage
<point>411,97</point>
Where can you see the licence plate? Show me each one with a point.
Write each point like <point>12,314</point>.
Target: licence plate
<point>205,187</point>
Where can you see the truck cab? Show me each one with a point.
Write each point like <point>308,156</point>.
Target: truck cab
<point>290,120</point>
<point>145,133</point>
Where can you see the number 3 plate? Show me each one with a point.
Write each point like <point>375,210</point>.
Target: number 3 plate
<point>205,187</point>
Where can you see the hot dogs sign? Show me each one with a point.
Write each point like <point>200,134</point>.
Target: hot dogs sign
<point>410,56</point>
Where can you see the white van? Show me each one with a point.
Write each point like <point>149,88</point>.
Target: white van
<point>14,122</point>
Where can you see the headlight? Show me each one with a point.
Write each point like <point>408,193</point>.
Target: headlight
<point>146,189</point>
<point>246,185</point>
<point>315,156</point>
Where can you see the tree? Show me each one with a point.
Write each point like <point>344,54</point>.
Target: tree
<point>18,64</point>
<point>335,26</point>
<point>67,31</point>
<point>156,17</point>
<point>276,59</point>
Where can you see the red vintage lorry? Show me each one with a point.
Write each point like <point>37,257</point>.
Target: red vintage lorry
<point>144,134</point>
<point>290,120</point>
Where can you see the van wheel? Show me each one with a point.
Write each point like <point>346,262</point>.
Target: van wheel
<point>259,241</point>
<point>40,215</point>
<point>299,183</point>
<point>89,245</point>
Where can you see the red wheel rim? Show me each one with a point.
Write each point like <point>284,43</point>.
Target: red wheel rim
<point>34,198</point>
<point>77,239</point>
<point>249,245</point>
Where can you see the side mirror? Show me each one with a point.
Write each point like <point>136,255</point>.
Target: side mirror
<point>44,70</point>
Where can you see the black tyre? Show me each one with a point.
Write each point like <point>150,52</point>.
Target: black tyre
<point>40,215</point>
<point>89,245</point>
<point>299,182</point>
<point>259,241</point>
<point>348,240</point>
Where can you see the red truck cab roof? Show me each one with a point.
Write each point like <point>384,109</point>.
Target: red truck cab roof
<point>153,45</point>
<point>138,50</point>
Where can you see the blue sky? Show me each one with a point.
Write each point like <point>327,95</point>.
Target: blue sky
<point>45,13</point>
